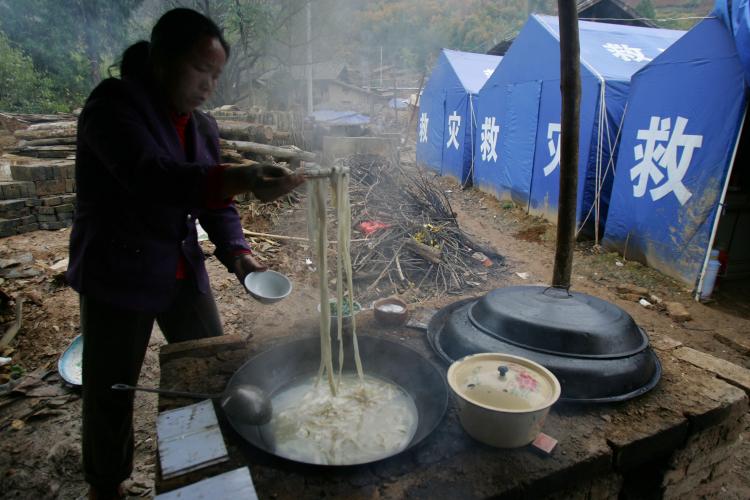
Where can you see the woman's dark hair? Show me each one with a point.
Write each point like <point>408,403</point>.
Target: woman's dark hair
<point>174,35</point>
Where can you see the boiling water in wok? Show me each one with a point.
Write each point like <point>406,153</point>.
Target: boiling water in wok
<point>366,420</point>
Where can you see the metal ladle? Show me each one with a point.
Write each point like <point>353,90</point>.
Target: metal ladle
<point>244,403</point>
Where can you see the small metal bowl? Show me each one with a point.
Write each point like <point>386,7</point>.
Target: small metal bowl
<point>268,287</point>
<point>390,311</point>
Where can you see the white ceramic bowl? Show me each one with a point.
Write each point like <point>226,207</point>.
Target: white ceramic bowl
<point>503,399</point>
<point>268,286</point>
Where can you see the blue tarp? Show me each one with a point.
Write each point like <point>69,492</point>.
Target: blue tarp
<point>683,121</point>
<point>736,16</point>
<point>518,113</point>
<point>446,125</point>
<point>330,117</point>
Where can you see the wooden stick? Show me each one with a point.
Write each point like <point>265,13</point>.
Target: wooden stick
<point>290,238</point>
<point>275,151</point>
<point>429,253</point>
<point>16,326</point>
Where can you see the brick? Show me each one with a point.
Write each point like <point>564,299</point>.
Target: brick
<point>52,226</point>
<point>28,228</point>
<point>29,219</point>
<point>12,191</point>
<point>677,311</point>
<point>52,201</point>
<point>8,225</point>
<point>67,208</point>
<point>65,216</point>
<point>45,210</point>
<point>12,209</point>
<point>12,204</point>
<point>68,198</point>
<point>68,170</point>
<point>33,202</point>
<point>33,172</point>
<point>734,374</point>
<point>46,218</point>
<point>70,185</point>
<point>47,187</point>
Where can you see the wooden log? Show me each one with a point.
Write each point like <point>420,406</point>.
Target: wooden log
<point>428,253</point>
<point>53,125</point>
<point>33,134</point>
<point>285,152</point>
<point>53,141</point>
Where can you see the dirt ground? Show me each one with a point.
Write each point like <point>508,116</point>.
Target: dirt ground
<point>40,429</point>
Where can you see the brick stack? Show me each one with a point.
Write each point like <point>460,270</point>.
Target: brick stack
<point>40,195</point>
<point>37,172</point>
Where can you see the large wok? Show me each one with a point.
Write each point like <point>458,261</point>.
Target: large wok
<point>297,360</point>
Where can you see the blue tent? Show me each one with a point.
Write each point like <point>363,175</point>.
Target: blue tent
<point>445,129</point>
<point>518,114</point>
<point>679,138</point>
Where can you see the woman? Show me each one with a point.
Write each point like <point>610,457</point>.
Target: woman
<point>147,167</point>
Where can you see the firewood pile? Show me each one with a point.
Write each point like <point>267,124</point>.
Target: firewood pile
<point>258,125</point>
<point>412,240</point>
<point>37,165</point>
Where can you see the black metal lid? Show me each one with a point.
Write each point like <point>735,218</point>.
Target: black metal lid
<point>556,321</point>
<point>610,368</point>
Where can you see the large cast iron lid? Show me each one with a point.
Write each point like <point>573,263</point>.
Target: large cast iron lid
<point>593,347</point>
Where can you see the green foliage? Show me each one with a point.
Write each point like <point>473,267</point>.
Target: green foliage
<point>69,40</point>
<point>646,9</point>
<point>22,88</point>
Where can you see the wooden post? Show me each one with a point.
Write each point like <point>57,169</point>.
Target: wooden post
<point>570,88</point>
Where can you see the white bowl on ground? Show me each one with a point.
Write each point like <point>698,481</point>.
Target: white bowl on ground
<point>268,286</point>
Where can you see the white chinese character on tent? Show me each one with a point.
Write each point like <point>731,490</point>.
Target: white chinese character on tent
<point>423,122</point>
<point>454,124</point>
<point>489,139</point>
<point>626,53</point>
<point>553,144</point>
<point>654,158</point>
<point>488,72</point>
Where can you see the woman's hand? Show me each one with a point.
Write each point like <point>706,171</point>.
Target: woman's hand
<point>275,181</point>
<point>266,181</point>
<point>245,264</point>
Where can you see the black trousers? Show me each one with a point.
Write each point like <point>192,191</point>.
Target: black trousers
<point>114,346</point>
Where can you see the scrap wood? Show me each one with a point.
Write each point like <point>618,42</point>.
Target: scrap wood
<point>423,243</point>
<point>431,254</point>
<point>289,238</point>
<point>15,327</point>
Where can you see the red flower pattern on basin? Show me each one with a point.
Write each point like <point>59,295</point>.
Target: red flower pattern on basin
<point>526,381</point>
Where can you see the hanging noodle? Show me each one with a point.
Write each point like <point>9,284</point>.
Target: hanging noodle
<point>359,418</point>
<point>318,233</point>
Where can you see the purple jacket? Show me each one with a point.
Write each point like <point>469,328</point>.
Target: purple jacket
<point>139,194</point>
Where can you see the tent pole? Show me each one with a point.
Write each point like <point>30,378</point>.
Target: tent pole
<point>720,208</point>
<point>570,88</point>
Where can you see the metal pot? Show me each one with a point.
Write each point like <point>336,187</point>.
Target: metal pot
<point>281,366</point>
<point>503,399</point>
<point>594,348</point>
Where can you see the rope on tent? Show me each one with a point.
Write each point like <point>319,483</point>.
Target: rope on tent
<point>473,124</point>
<point>610,165</point>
